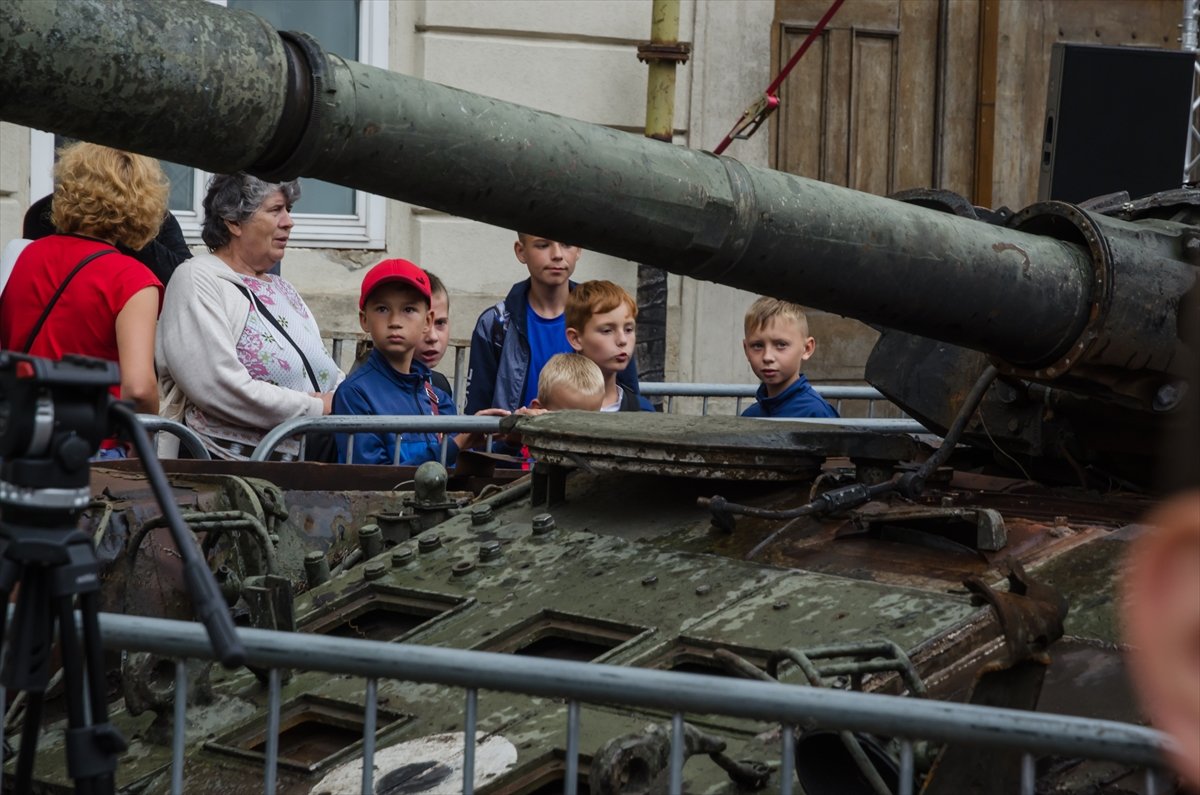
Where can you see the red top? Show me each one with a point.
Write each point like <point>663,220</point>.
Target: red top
<point>84,320</point>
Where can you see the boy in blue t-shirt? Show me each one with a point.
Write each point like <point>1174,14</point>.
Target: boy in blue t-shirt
<point>777,345</point>
<point>515,338</point>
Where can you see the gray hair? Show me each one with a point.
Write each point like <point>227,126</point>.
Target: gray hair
<point>236,197</point>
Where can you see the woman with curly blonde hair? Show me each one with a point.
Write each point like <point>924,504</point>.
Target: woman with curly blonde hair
<point>74,292</point>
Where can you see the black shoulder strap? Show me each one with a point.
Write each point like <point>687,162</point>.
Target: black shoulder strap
<point>500,328</point>
<point>312,376</point>
<point>629,401</point>
<point>41,321</point>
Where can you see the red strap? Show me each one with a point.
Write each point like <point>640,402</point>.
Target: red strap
<point>433,403</point>
<point>433,399</point>
<point>768,103</point>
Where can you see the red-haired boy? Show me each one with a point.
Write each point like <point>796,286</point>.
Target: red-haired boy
<point>602,325</point>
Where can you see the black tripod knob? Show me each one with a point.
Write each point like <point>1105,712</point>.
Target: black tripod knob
<point>73,452</point>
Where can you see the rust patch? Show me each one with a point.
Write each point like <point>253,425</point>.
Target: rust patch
<point>1025,263</point>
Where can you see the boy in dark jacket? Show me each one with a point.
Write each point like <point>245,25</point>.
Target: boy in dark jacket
<point>777,344</point>
<point>437,337</point>
<point>394,308</point>
<point>514,338</point>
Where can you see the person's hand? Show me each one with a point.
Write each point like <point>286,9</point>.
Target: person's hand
<point>530,411</point>
<point>467,441</point>
<point>1161,608</point>
<point>326,401</point>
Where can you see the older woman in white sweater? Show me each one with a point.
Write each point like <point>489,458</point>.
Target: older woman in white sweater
<point>238,351</point>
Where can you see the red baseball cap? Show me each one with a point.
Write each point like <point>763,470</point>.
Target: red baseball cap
<point>394,270</point>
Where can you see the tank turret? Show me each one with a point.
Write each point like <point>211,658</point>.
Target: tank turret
<point>1079,307</point>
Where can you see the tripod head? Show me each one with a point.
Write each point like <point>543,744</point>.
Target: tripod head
<point>53,415</point>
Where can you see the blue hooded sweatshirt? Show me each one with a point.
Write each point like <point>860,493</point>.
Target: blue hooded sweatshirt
<point>798,400</point>
<point>377,389</point>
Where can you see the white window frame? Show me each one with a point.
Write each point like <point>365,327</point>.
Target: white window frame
<point>364,229</point>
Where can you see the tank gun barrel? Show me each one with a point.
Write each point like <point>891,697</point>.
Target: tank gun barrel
<point>198,84</point>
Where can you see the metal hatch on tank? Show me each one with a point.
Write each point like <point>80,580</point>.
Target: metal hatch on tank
<point>730,448</point>
<point>1044,343</point>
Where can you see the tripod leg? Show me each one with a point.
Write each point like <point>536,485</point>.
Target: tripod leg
<point>106,735</point>
<point>29,739</point>
<point>92,750</point>
<point>10,572</point>
<point>73,679</point>
<point>26,662</point>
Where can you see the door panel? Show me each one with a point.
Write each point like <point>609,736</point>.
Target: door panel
<point>872,138</point>
<point>857,109</point>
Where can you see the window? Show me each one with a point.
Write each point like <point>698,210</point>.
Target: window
<point>328,215</point>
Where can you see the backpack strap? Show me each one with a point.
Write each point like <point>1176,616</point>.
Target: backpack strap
<point>500,328</point>
<point>41,321</point>
<point>433,403</point>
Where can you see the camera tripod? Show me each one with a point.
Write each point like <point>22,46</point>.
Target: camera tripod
<point>55,565</point>
<point>53,415</point>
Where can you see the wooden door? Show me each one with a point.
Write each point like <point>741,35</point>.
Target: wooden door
<point>864,107</point>
<point>1026,33</point>
<point>899,94</point>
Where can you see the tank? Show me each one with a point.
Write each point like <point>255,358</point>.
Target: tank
<point>1042,351</point>
<point>1078,307</point>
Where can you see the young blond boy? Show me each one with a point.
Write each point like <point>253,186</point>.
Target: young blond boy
<point>602,325</point>
<point>777,345</point>
<point>394,310</point>
<point>569,381</point>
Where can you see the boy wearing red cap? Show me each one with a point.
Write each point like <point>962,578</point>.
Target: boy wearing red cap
<point>394,308</point>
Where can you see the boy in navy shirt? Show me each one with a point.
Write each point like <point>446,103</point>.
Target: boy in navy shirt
<point>394,308</point>
<point>777,345</point>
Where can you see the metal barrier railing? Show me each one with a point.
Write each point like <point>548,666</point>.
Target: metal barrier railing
<point>403,423</point>
<point>908,719</point>
<point>460,352</point>
<point>393,424</point>
<point>834,393</point>
<point>189,438</point>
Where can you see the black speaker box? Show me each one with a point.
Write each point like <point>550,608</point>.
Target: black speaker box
<point>1116,119</point>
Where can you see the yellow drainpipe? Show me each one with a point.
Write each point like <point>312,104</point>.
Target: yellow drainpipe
<point>662,54</point>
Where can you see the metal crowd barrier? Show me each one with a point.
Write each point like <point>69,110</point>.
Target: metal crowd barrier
<point>189,438</point>
<point>402,423</point>
<point>338,349</point>
<point>834,393</point>
<point>394,424</point>
<point>909,719</point>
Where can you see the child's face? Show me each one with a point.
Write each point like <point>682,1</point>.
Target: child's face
<point>777,351</point>
<point>549,262</point>
<point>608,339</point>
<point>396,317</point>
<point>565,398</point>
<point>437,336</point>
